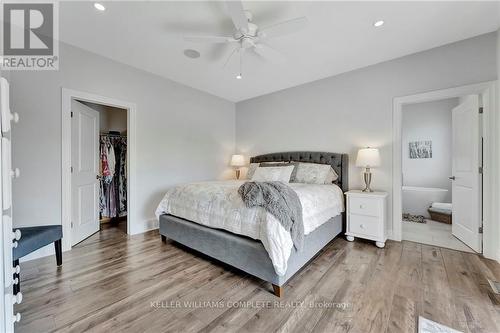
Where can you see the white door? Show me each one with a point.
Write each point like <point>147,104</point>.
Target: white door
<point>466,183</point>
<point>85,172</point>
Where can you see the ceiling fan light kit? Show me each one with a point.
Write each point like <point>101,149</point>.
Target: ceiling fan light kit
<point>190,53</point>
<point>249,36</point>
<point>99,6</point>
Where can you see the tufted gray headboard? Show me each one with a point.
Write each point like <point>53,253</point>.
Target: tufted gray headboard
<point>339,162</point>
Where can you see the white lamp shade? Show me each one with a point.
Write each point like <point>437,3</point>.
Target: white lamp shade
<point>237,160</point>
<point>368,158</point>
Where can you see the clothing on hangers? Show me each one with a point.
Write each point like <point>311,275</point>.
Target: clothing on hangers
<point>113,184</point>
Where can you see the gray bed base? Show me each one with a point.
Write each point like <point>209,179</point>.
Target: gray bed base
<point>248,254</point>
<point>243,252</point>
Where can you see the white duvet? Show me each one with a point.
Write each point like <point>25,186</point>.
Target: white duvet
<point>217,204</point>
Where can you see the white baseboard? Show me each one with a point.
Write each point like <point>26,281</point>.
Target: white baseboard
<point>147,225</point>
<point>390,235</point>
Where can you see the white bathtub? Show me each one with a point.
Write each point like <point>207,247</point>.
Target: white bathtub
<point>416,200</point>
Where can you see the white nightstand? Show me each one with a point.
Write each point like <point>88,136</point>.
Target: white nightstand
<point>367,216</point>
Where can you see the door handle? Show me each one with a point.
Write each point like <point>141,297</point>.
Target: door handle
<point>452,178</point>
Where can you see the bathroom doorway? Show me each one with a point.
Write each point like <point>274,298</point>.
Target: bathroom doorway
<point>427,165</point>
<point>441,171</point>
<point>483,221</point>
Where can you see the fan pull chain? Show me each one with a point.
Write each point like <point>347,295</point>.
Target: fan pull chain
<point>240,75</point>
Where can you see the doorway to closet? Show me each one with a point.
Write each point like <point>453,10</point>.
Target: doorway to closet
<point>99,168</point>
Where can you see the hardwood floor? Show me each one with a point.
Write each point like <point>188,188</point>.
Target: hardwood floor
<point>116,283</point>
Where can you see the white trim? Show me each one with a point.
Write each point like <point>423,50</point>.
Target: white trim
<point>151,224</point>
<point>490,220</point>
<point>67,96</point>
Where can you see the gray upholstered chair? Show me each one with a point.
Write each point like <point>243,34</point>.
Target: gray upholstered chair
<point>34,238</point>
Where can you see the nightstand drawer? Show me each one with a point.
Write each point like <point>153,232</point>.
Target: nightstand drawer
<point>364,206</point>
<point>365,225</point>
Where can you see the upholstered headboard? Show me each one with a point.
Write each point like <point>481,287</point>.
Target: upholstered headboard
<point>339,162</point>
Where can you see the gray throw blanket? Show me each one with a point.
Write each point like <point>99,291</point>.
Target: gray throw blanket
<point>279,200</point>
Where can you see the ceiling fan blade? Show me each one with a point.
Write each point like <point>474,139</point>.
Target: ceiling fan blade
<point>230,56</point>
<point>269,53</point>
<point>284,28</point>
<point>237,12</point>
<point>210,39</point>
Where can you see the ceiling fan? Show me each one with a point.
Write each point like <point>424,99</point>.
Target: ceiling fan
<point>249,36</point>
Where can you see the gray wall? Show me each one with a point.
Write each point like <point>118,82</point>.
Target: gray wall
<point>423,122</point>
<point>182,134</point>
<point>354,109</point>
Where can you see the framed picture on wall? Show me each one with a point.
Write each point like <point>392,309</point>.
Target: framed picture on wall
<point>420,149</point>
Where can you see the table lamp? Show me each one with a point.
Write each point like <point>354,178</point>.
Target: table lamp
<point>237,161</point>
<point>368,158</point>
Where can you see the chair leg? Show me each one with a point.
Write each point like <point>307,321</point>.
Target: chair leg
<point>58,248</point>
<point>278,290</point>
<point>16,287</point>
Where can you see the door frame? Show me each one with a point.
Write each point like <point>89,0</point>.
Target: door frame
<point>490,157</point>
<point>67,96</point>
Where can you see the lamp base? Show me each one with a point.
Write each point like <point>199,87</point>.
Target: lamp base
<point>368,179</point>
<point>237,173</point>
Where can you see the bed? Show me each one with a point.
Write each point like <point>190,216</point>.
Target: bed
<point>249,254</point>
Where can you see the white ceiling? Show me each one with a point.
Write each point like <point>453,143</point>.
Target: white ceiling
<point>339,37</point>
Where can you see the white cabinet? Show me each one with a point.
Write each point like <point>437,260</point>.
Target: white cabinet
<point>8,239</point>
<point>367,216</point>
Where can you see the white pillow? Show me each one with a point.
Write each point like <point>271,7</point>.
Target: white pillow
<point>331,177</point>
<point>313,173</point>
<point>279,162</point>
<point>253,166</point>
<point>269,174</point>
<point>251,169</point>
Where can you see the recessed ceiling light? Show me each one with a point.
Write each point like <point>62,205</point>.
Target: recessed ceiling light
<point>239,77</point>
<point>190,53</point>
<point>378,23</point>
<point>99,6</point>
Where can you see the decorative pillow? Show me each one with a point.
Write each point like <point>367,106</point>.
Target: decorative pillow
<point>269,174</point>
<point>313,173</point>
<point>331,177</point>
<point>251,170</point>
<point>266,163</point>
<point>282,164</point>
